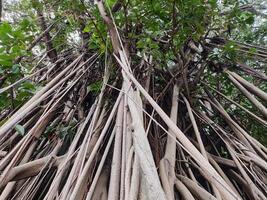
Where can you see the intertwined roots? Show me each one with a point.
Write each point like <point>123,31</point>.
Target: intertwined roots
<point>110,155</point>
<point>121,144</point>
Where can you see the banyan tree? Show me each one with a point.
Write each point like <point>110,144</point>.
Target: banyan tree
<point>133,99</point>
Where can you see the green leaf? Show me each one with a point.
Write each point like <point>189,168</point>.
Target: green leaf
<point>20,129</point>
<point>86,29</point>
<point>110,3</point>
<point>5,27</point>
<point>5,62</point>
<point>95,87</point>
<point>15,69</point>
